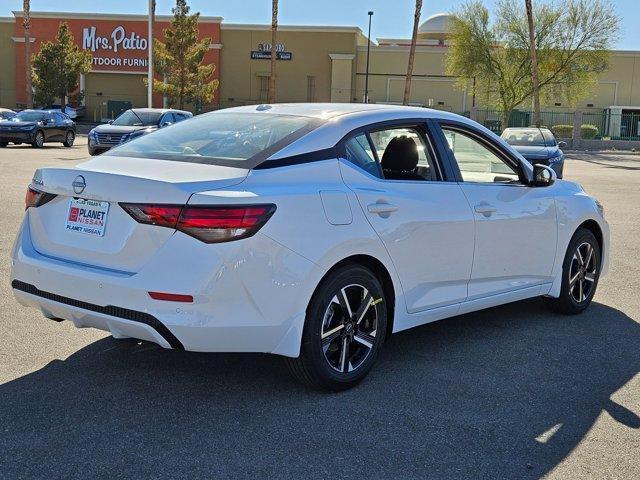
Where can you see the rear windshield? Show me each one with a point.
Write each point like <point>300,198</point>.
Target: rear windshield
<point>233,139</point>
<point>131,118</point>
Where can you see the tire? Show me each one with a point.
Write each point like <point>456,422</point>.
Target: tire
<point>3,144</point>
<point>338,350</point>
<point>38,141</point>
<point>580,274</point>
<point>69,138</point>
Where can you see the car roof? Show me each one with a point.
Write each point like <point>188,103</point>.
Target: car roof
<point>326,111</point>
<point>158,110</point>
<point>525,129</point>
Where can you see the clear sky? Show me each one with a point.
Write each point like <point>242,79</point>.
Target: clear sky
<point>391,19</point>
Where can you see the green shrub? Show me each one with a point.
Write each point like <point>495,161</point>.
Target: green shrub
<point>588,131</point>
<point>562,131</point>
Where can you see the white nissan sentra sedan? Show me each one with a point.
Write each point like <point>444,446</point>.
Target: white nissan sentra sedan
<point>311,231</point>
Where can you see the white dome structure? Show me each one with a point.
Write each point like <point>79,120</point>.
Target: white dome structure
<point>436,26</point>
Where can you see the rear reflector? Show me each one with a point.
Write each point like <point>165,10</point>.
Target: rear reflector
<point>210,224</point>
<point>35,198</point>
<point>171,297</point>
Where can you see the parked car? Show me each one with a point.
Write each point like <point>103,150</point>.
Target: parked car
<point>537,145</point>
<point>6,114</point>
<point>38,127</point>
<point>311,231</point>
<point>74,113</point>
<point>131,124</point>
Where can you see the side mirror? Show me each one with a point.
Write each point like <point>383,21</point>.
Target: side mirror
<point>165,124</point>
<point>110,122</point>
<point>562,144</point>
<point>543,176</point>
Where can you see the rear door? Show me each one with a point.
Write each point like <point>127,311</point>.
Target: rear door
<point>516,226</point>
<point>423,220</point>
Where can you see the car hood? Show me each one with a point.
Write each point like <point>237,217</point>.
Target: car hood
<point>9,123</point>
<point>536,152</point>
<point>117,128</point>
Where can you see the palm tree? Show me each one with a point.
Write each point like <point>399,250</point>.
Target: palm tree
<point>412,53</point>
<point>26,23</point>
<point>274,28</point>
<point>534,65</point>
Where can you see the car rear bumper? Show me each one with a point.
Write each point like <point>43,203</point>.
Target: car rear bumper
<point>249,296</point>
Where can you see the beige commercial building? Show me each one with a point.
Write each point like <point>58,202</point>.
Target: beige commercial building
<point>315,64</point>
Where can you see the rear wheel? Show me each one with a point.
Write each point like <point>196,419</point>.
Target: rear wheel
<point>69,139</point>
<point>580,274</point>
<point>344,330</point>
<point>38,141</point>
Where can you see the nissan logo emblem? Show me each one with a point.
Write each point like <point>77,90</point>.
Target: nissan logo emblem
<point>79,184</point>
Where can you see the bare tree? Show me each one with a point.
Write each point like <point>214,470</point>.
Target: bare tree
<point>412,53</point>
<point>274,53</point>
<point>535,83</point>
<point>26,23</point>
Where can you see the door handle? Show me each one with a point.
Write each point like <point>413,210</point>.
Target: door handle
<point>381,208</point>
<point>485,209</point>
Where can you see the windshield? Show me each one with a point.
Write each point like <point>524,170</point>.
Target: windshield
<point>233,139</point>
<point>529,137</point>
<point>131,118</point>
<point>28,117</point>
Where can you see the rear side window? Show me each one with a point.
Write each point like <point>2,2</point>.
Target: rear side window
<point>358,151</point>
<point>241,140</point>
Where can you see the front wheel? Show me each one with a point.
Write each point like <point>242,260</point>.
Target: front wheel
<point>69,139</point>
<point>580,274</point>
<point>344,330</point>
<point>38,141</point>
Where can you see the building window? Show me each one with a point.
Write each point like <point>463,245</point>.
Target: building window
<point>263,92</point>
<point>311,88</point>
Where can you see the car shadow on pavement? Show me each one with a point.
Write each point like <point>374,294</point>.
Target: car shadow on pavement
<point>504,393</point>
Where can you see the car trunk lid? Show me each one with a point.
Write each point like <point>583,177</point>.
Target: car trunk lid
<point>120,244</point>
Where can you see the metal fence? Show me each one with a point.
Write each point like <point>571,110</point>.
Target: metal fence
<point>595,124</point>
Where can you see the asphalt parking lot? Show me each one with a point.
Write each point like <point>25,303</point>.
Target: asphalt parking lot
<point>513,392</point>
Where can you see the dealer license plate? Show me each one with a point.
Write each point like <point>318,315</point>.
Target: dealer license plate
<point>87,216</point>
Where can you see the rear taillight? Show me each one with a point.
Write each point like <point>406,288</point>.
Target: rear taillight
<point>210,224</point>
<point>35,198</point>
<point>161,215</point>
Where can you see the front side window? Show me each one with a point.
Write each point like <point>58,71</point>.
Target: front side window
<point>403,154</point>
<point>476,162</point>
<point>234,139</point>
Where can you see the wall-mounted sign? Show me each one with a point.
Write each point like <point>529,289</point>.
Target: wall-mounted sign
<point>117,40</point>
<point>264,52</point>
<point>119,48</point>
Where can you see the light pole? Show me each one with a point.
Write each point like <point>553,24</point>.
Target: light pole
<point>152,12</point>
<point>366,76</point>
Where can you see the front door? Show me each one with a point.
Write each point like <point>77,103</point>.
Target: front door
<point>424,222</point>
<point>516,229</point>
